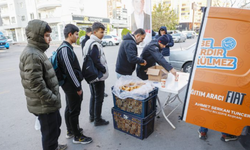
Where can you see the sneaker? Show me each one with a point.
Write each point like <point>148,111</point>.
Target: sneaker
<point>82,139</point>
<point>91,119</point>
<point>227,138</point>
<point>101,122</point>
<point>70,134</point>
<point>202,135</point>
<point>61,147</point>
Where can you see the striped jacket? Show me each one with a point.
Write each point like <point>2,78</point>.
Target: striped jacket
<point>68,63</point>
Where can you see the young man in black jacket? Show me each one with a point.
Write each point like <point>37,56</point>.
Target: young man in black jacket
<point>152,54</point>
<point>69,65</point>
<point>87,36</point>
<point>127,55</point>
<point>165,51</point>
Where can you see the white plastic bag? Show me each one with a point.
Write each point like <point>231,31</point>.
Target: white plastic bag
<point>37,124</point>
<point>140,93</point>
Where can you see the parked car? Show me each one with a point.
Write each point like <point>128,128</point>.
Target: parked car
<point>118,38</point>
<point>104,43</point>
<point>111,40</point>
<point>3,42</point>
<point>179,37</point>
<point>10,40</point>
<point>183,59</point>
<point>173,31</point>
<point>190,34</point>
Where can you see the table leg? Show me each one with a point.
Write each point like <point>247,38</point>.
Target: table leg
<point>168,101</point>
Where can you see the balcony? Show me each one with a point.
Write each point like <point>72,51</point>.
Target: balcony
<point>5,15</point>
<point>43,5</point>
<point>3,3</point>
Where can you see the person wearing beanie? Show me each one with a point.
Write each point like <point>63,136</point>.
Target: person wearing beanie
<point>165,51</point>
<point>152,54</point>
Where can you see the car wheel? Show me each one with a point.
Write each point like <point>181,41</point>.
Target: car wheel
<point>110,43</point>
<point>187,67</point>
<point>7,47</point>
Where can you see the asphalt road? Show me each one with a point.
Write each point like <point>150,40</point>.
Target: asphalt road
<point>17,124</point>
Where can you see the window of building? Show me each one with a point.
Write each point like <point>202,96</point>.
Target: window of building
<point>13,20</point>
<point>183,9</point>
<point>32,16</point>
<point>23,18</point>
<point>182,13</point>
<point>39,15</point>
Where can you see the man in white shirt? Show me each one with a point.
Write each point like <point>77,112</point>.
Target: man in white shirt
<point>139,19</point>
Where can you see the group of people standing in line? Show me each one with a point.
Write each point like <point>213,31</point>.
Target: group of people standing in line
<point>41,86</point>
<point>40,81</point>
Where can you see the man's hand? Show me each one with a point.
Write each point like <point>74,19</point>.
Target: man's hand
<point>143,64</point>
<point>79,92</point>
<point>173,71</point>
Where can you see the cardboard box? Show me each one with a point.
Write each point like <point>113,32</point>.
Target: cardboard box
<point>156,73</point>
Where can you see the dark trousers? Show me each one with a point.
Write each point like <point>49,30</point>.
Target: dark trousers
<point>72,111</point>
<point>50,129</point>
<point>96,99</point>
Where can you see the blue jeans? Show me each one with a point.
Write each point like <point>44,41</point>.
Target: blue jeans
<point>202,129</point>
<point>118,75</point>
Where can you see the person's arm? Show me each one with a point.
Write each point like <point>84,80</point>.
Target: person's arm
<point>171,42</point>
<point>158,57</point>
<point>131,53</point>
<point>94,54</point>
<point>68,58</point>
<point>34,74</point>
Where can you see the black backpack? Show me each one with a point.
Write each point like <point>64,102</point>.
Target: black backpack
<point>89,71</point>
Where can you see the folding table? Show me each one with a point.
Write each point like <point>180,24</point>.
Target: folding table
<point>173,88</point>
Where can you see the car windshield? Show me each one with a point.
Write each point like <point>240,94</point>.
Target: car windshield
<point>2,37</point>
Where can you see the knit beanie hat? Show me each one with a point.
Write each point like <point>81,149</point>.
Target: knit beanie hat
<point>163,39</point>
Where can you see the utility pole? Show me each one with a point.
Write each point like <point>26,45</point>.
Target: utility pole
<point>194,8</point>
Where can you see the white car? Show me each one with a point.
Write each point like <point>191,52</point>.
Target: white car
<point>111,40</point>
<point>182,59</point>
<point>179,37</point>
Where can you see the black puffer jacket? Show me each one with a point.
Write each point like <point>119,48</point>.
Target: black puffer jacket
<point>152,54</point>
<point>127,56</point>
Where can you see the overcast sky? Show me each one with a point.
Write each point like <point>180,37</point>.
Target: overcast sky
<point>97,8</point>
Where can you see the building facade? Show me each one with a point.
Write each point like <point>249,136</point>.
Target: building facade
<point>118,14</point>
<point>15,15</point>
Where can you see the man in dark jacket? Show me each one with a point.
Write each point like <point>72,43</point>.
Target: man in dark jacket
<point>127,55</point>
<point>40,84</point>
<point>152,54</point>
<point>87,36</point>
<point>69,65</point>
<point>165,51</point>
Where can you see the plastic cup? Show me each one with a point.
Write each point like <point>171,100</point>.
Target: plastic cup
<point>163,83</point>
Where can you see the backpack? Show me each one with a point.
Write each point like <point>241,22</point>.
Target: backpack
<point>53,59</point>
<point>89,71</point>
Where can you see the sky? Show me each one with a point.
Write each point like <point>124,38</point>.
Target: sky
<point>97,8</point>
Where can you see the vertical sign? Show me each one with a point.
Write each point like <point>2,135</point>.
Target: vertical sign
<point>218,95</point>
